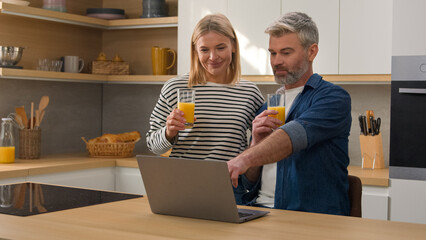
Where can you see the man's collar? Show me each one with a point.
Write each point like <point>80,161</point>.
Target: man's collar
<point>314,81</point>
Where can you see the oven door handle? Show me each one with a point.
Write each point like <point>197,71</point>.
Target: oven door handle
<point>413,90</point>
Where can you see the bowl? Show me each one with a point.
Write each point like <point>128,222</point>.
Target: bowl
<point>10,56</point>
<point>106,13</point>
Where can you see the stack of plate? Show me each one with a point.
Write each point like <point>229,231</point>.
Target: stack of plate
<point>17,2</point>
<point>106,13</point>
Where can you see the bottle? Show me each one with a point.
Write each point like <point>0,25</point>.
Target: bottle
<point>7,143</point>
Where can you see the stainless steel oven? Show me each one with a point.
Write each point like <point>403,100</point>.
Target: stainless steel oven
<point>408,118</point>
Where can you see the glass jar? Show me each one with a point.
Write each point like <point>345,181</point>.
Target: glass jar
<point>7,143</point>
<point>55,5</point>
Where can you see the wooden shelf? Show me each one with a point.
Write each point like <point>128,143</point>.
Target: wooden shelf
<point>10,73</point>
<point>142,79</point>
<point>68,18</point>
<point>160,79</point>
<point>338,79</point>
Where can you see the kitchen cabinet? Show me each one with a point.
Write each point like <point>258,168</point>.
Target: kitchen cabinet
<point>407,200</point>
<point>375,202</point>
<point>129,180</point>
<point>408,33</point>
<point>94,178</point>
<point>355,40</point>
<point>355,36</point>
<point>12,180</point>
<point>365,37</point>
<point>190,12</point>
<point>326,15</point>
<point>58,34</point>
<point>250,19</point>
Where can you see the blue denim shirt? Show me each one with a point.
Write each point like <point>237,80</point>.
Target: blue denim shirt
<point>314,178</point>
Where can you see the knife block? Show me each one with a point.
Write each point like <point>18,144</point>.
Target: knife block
<point>372,151</point>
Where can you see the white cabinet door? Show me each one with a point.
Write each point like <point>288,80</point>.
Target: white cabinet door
<point>96,178</point>
<point>365,36</point>
<point>129,180</point>
<point>407,200</point>
<point>250,19</point>
<point>12,180</point>
<point>190,12</point>
<point>409,32</point>
<point>375,202</point>
<point>325,14</point>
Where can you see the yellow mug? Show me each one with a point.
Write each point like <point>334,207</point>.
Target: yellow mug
<point>160,57</point>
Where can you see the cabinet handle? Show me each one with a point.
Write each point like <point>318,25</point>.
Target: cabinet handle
<point>413,90</point>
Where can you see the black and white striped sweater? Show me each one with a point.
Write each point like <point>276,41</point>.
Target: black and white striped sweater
<point>223,115</point>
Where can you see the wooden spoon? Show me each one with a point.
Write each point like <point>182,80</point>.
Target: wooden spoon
<point>21,112</point>
<point>44,101</point>
<point>41,117</point>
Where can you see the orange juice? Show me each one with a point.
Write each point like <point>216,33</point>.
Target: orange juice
<point>281,113</point>
<point>188,113</point>
<point>7,154</point>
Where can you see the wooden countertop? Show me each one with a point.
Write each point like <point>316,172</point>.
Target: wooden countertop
<point>52,164</point>
<point>132,219</point>
<point>371,177</point>
<point>73,162</point>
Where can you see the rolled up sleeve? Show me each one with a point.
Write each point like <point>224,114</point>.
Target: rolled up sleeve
<point>297,134</point>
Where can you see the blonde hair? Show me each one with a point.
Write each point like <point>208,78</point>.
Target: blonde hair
<point>221,25</point>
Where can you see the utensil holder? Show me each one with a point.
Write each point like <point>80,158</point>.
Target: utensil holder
<point>29,143</point>
<point>372,151</point>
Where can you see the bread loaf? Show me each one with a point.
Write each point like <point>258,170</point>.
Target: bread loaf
<point>117,138</point>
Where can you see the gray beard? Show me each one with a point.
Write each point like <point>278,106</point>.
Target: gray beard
<point>292,77</point>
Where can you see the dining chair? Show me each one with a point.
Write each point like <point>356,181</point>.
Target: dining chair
<point>355,194</point>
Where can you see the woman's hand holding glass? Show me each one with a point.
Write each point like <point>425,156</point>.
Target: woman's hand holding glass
<point>175,122</point>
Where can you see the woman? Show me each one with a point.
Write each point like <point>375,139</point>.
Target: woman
<point>225,105</point>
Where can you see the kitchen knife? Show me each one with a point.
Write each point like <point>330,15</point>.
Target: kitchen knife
<point>364,123</point>
<point>377,125</point>
<point>367,114</point>
<point>361,125</point>
<point>373,130</point>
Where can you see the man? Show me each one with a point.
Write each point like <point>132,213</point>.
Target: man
<point>305,160</point>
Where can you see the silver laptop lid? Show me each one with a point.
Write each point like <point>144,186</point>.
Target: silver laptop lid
<point>189,188</point>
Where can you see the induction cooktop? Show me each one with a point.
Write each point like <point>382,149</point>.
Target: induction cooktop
<point>26,199</point>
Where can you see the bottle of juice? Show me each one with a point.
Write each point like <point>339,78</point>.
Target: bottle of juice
<point>7,143</point>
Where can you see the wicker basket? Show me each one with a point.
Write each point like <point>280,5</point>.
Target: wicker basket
<point>109,68</point>
<point>29,143</point>
<point>115,150</point>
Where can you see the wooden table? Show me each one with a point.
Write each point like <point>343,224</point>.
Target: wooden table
<point>132,219</point>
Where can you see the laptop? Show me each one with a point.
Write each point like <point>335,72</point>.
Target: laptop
<point>192,188</point>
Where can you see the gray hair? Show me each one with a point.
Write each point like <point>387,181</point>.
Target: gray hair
<point>295,22</point>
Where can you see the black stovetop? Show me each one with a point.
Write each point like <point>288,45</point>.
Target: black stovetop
<point>26,199</point>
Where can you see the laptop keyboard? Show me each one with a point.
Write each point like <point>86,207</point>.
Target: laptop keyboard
<point>241,214</point>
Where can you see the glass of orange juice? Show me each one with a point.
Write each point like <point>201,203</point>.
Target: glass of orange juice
<point>186,103</point>
<point>277,102</point>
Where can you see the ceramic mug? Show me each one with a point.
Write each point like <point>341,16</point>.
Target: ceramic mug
<point>160,58</point>
<point>73,64</point>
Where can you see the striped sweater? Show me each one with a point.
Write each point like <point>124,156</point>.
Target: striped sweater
<point>223,115</point>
